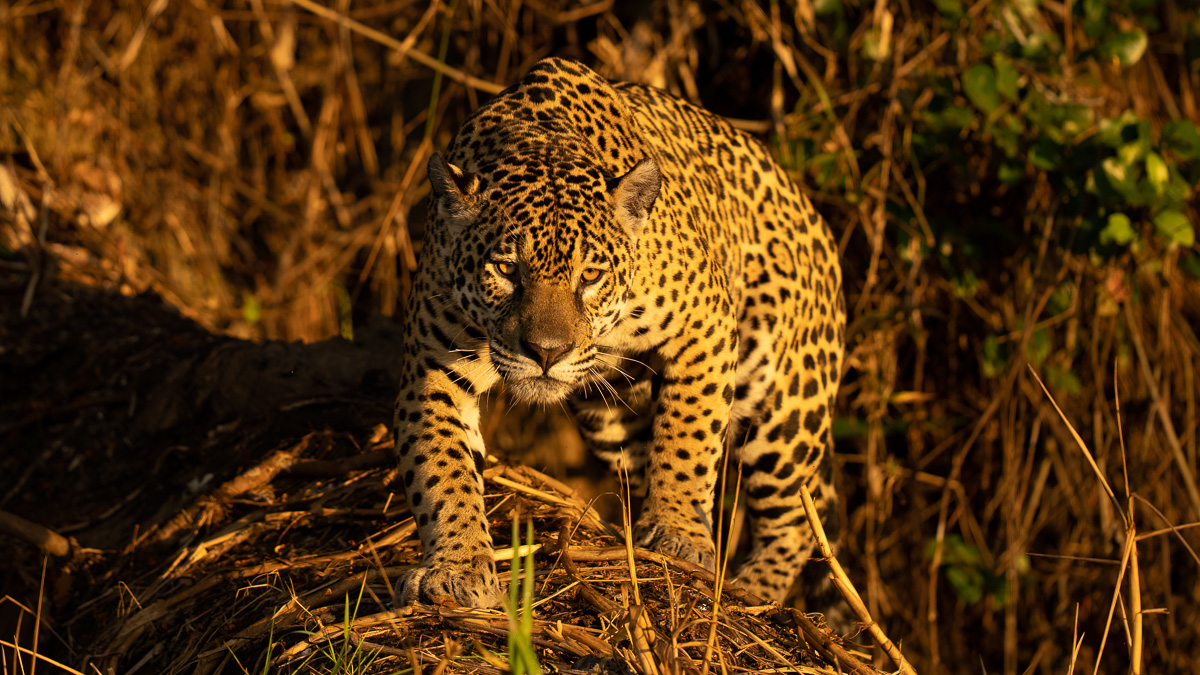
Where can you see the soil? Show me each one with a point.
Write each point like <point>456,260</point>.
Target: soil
<point>116,413</point>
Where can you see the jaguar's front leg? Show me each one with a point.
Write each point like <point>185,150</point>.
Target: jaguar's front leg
<point>690,422</point>
<point>441,459</point>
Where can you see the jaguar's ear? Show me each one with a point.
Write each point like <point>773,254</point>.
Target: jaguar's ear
<point>454,190</point>
<point>634,195</point>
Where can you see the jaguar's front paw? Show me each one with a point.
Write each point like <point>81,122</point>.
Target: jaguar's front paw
<point>694,546</point>
<point>467,584</point>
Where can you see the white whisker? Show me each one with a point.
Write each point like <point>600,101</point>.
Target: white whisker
<point>617,395</point>
<point>627,358</point>
<point>629,378</point>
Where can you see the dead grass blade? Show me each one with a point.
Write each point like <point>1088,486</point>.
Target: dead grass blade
<point>1129,562</point>
<point>1081,445</point>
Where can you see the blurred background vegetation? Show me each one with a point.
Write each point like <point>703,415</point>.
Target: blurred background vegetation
<point>1012,183</point>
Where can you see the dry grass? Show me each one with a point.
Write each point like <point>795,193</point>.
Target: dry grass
<point>272,588</point>
<point>260,166</point>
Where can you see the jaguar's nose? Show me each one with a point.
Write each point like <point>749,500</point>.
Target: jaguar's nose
<point>548,352</point>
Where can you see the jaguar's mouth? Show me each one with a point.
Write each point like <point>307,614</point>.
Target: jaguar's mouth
<point>541,389</point>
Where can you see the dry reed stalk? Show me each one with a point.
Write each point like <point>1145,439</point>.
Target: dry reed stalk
<point>586,512</point>
<point>406,248</point>
<point>504,554</point>
<point>723,545</point>
<point>396,45</point>
<point>1129,554</point>
<point>841,581</point>
<point>37,657</point>
<point>641,633</point>
<point>1181,463</point>
<point>1135,599</point>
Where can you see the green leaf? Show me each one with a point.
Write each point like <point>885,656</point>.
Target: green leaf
<point>1095,17</point>
<point>1119,230</point>
<point>979,83</point>
<point>826,7</point>
<point>1045,154</point>
<point>951,9</point>
<point>1041,46</point>
<point>967,583</point>
<point>1132,153</point>
<point>824,167</point>
<point>995,357</point>
<point>1191,265</point>
<point>873,46</point>
<point>951,118</point>
<point>1039,348</point>
<point>1011,172</point>
<point>1182,137</point>
<point>1139,142</point>
<point>1179,188</point>
<point>1156,172</point>
<point>251,309</point>
<point>1128,46</point>
<point>1006,77</point>
<point>1064,379</point>
<point>966,284</point>
<point>1027,7</point>
<point>1074,119</point>
<point>955,551</point>
<point>1006,134</point>
<point>1060,300</point>
<point>1121,179</point>
<point>993,41</point>
<point>1174,225</point>
<point>1116,170</point>
<point>1117,131</point>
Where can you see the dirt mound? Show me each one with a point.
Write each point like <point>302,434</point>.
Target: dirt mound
<point>256,480</point>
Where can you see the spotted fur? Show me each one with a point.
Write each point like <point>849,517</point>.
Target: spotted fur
<point>610,246</point>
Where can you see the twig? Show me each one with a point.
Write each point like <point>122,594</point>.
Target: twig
<point>1135,581</point>
<point>842,582</point>
<point>587,512</point>
<point>257,476</point>
<point>43,537</point>
<point>410,260</point>
<point>1171,527</point>
<point>823,642</point>
<point>642,635</point>
<point>584,638</point>
<point>394,44</point>
<point>619,553</point>
<point>601,604</point>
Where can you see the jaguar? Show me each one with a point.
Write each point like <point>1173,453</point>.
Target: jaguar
<point>612,248</point>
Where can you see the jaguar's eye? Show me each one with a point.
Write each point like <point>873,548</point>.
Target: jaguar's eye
<point>591,275</point>
<point>505,268</point>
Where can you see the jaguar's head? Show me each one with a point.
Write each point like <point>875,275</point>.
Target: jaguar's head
<point>542,255</point>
